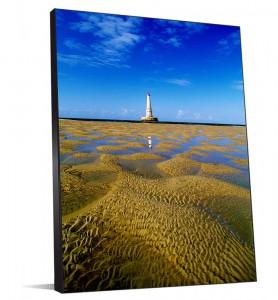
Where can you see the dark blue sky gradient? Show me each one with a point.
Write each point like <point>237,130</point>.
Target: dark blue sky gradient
<point>107,64</point>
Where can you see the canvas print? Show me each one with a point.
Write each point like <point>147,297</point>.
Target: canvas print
<point>153,178</point>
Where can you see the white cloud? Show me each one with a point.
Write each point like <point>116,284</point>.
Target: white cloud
<point>185,29</point>
<point>193,28</point>
<point>174,32</point>
<point>181,114</point>
<point>227,44</point>
<point>173,41</point>
<point>112,39</point>
<point>179,81</point>
<point>93,61</point>
<point>127,111</point>
<point>71,59</point>
<point>118,30</point>
<point>82,26</point>
<point>122,41</point>
<point>72,44</point>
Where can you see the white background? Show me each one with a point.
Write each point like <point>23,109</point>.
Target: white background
<point>26,199</point>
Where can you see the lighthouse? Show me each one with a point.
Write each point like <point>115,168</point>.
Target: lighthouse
<point>149,114</point>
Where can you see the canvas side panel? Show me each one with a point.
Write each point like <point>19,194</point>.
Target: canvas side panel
<point>58,268</point>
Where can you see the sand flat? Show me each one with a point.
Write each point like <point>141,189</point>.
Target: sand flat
<point>123,229</point>
<point>160,237</point>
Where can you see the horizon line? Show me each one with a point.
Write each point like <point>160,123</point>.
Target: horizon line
<point>158,122</point>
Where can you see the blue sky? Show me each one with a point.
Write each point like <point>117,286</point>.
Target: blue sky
<point>107,64</point>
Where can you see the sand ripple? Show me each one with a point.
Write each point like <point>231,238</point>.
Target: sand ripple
<point>151,233</point>
<point>122,229</point>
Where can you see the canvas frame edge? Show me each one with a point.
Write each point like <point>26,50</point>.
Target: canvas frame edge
<point>57,222</point>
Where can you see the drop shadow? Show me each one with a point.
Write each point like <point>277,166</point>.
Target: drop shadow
<point>43,286</point>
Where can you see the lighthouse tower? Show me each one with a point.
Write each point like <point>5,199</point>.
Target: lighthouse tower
<point>149,114</point>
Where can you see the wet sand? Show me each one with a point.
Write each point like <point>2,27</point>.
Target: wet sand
<point>123,229</point>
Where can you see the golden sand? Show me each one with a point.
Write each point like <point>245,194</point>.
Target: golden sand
<point>209,168</point>
<point>235,159</point>
<point>211,147</point>
<point>67,146</point>
<point>181,164</point>
<point>138,156</point>
<point>122,230</point>
<point>241,161</point>
<point>198,152</point>
<point>121,147</point>
<point>147,233</point>
<point>165,146</point>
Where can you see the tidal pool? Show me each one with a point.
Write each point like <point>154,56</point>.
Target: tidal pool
<point>210,144</point>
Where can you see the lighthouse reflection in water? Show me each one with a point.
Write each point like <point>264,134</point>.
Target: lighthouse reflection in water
<point>150,142</point>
